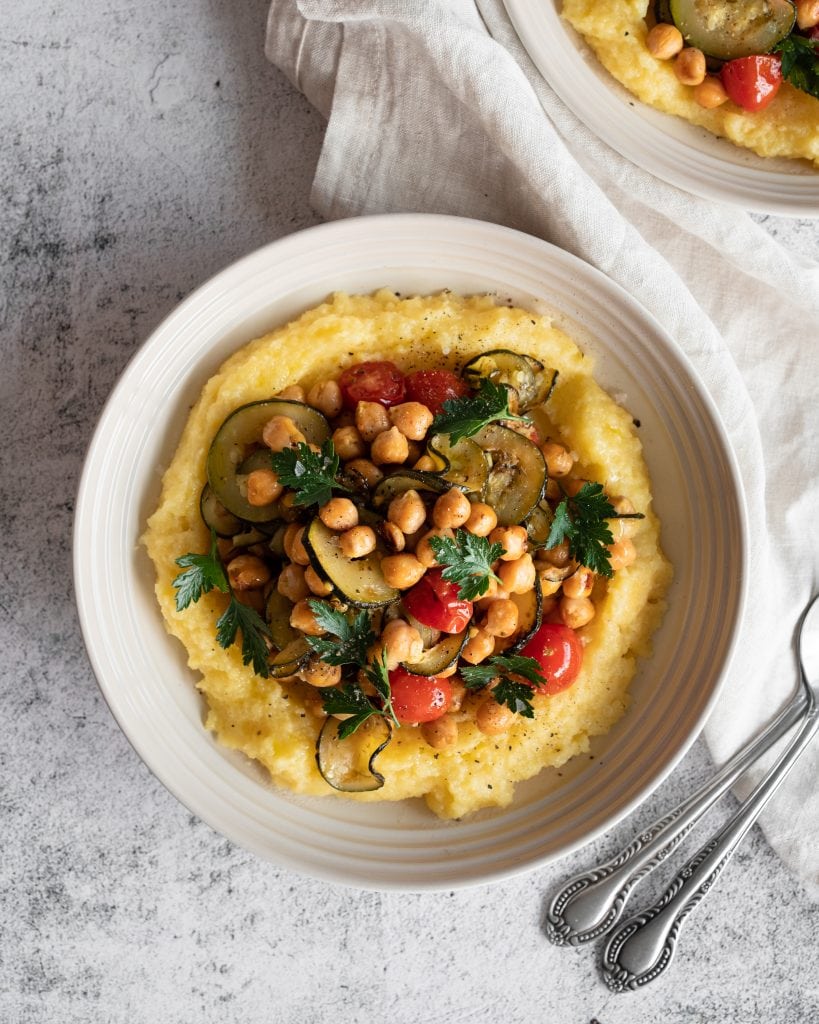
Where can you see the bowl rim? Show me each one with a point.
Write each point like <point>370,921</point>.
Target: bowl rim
<point>426,230</point>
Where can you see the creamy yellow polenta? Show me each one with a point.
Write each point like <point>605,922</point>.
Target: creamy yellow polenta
<point>789,127</point>
<point>267,720</point>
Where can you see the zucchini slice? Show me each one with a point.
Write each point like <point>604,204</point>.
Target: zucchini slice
<point>728,29</point>
<point>527,376</point>
<point>530,609</point>
<point>230,448</point>
<point>216,517</point>
<point>289,660</point>
<point>463,463</point>
<point>358,581</point>
<point>408,480</point>
<point>539,525</point>
<point>277,613</point>
<point>348,765</point>
<point>439,657</point>
<point>518,475</point>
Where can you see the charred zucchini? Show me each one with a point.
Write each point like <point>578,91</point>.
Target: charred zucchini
<point>728,29</point>
<point>518,474</point>
<point>525,375</point>
<point>277,613</point>
<point>289,660</point>
<point>215,516</point>
<point>539,525</point>
<point>408,480</point>
<point>463,463</point>
<point>348,765</point>
<point>438,658</point>
<point>231,447</point>
<point>357,581</point>
<point>530,612</point>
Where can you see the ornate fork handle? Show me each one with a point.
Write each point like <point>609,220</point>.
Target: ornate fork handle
<point>642,947</point>
<point>591,904</point>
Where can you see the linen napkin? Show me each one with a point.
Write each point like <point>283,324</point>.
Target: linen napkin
<point>434,106</point>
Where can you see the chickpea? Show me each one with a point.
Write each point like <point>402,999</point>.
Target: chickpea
<point>501,618</point>
<point>440,733</point>
<point>402,571</point>
<point>292,584</point>
<point>317,673</point>
<point>363,468</point>
<point>452,509</point>
<point>402,642</point>
<point>262,487</point>
<point>325,396</point>
<point>710,93</point>
<point>518,577</point>
<point>390,446</point>
<point>357,542</point>
<point>252,598</point>
<point>281,432</point>
<point>348,443</point>
<point>423,549</point>
<point>492,718</point>
<point>459,692</point>
<point>247,572</point>
<point>393,536</point>
<point>303,618</point>
<point>689,67</point>
<point>571,485</point>
<point>412,418</point>
<point>414,451</point>
<point>294,544</point>
<point>512,539</point>
<point>552,490</point>
<point>664,41</point>
<point>317,585</point>
<point>558,556</point>
<point>579,584</point>
<point>478,647</point>
<point>426,464</point>
<point>621,554</point>
<point>576,611</point>
<point>372,419</point>
<point>292,393</point>
<point>482,519</point>
<point>558,459</point>
<point>339,514</point>
<point>407,511</point>
<point>807,13</point>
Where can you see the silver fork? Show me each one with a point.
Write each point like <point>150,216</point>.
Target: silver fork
<point>592,903</point>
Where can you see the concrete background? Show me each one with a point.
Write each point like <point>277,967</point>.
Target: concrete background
<point>146,146</point>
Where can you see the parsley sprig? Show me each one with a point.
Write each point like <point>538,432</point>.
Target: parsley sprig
<point>350,698</point>
<point>311,475</point>
<point>463,417</point>
<point>800,62</point>
<point>502,669</point>
<point>468,561</point>
<point>352,635</point>
<point>582,521</point>
<point>204,573</point>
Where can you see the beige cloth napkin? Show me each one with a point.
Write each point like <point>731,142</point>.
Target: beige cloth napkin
<point>434,106</point>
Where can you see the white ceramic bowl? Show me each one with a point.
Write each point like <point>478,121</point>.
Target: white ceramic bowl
<point>668,147</point>
<point>142,670</point>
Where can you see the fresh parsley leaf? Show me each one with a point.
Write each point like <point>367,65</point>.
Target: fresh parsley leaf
<point>352,636</point>
<point>254,629</point>
<point>348,699</point>
<point>378,674</point>
<point>508,690</point>
<point>203,573</point>
<point>468,561</point>
<point>463,417</point>
<point>582,521</point>
<point>311,475</point>
<point>800,63</point>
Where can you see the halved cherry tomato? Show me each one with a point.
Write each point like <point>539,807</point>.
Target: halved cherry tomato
<point>419,698</point>
<point>434,387</point>
<point>752,82</point>
<point>377,380</point>
<point>434,602</point>
<point>558,651</point>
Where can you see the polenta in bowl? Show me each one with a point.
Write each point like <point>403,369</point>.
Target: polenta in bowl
<point>409,546</point>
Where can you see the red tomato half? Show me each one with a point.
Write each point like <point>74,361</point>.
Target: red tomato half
<point>560,655</point>
<point>752,82</point>
<point>374,381</point>
<point>434,387</point>
<point>419,698</point>
<point>434,602</point>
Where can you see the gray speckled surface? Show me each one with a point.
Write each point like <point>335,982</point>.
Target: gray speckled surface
<point>145,147</point>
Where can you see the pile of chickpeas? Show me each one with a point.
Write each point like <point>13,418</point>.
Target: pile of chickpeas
<point>370,442</point>
<point>665,42</point>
